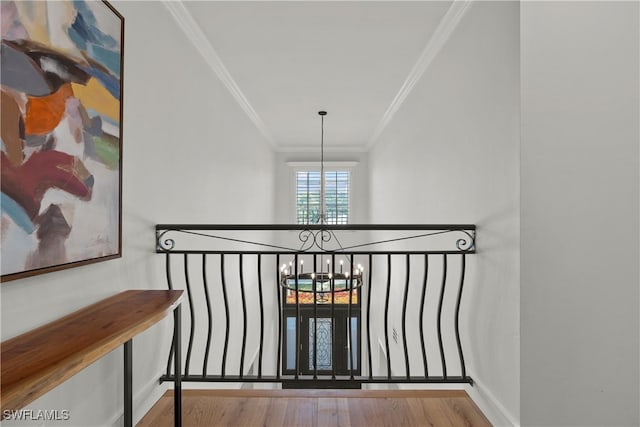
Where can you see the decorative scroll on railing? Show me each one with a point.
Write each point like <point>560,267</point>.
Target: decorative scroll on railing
<point>320,305</point>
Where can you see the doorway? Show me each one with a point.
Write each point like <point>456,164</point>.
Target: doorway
<point>321,335</point>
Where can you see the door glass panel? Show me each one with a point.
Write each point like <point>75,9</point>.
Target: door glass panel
<point>291,343</point>
<point>354,341</point>
<point>323,342</point>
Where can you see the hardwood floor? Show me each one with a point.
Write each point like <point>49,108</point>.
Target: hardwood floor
<point>321,408</point>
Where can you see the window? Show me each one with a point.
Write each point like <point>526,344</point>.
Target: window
<point>336,196</point>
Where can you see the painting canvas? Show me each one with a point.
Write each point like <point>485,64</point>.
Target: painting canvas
<point>61,76</point>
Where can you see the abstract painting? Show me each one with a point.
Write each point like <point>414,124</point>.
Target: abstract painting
<point>61,80</point>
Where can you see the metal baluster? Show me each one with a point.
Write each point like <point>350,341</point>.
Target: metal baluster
<point>369,316</point>
<point>279,292</point>
<point>332,284</point>
<point>227,318</point>
<point>209,314</point>
<point>386,317</point>
<point>261,315</point>
<point>462,273</point>
<point>444,280</point>
<point>170,285</point>
<point>350,281</point>
<point>298,320</point>
<point>244,316</point>
<point>424,292</point>
<point>404,319</point>
<point>315,323</point>
<point>192,326</point>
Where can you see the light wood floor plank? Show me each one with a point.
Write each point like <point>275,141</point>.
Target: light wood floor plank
<point>319,408</point>
<point>333,412</point>
<point>276,412</point>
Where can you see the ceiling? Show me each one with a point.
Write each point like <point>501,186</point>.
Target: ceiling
<point>285,61</point>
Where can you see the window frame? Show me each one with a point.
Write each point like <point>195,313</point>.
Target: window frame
<point>340,166</point>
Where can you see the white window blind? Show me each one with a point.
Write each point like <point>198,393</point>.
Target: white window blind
<point>336,197</point>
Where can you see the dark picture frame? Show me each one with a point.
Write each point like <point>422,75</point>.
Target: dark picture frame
<point>62,122</point>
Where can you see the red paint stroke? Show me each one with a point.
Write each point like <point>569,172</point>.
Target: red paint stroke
<point>27,183</point>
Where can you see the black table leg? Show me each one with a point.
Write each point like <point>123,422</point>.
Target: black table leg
<point>177,386</point>
<point>128,384</point>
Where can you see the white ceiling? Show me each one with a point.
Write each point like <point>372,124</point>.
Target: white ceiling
<point>285,61</point>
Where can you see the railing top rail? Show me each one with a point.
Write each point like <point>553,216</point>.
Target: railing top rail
<point>300,227</point>
<point>311,253</point>
<point>324,237</point>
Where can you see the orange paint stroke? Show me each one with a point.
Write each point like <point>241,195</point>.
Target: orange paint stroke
<point>44,113</point>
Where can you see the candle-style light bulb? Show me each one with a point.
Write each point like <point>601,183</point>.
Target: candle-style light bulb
<point>301,266</point>
<point>341,265</point>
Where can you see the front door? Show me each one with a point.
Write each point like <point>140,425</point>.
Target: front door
<point>331,340</point>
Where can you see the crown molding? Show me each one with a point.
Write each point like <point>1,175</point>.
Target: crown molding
<point>316,149</point>
<point>445,28</point>
<point>194,33</point>
<point>316,164</point>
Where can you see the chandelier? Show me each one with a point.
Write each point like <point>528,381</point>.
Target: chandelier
<point>322,280</point>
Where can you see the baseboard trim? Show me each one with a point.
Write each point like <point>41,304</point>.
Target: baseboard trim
<point>482,396</point>
<point>490,406</point>
<point>143,401</point>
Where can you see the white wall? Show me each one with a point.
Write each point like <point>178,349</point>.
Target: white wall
<point>450,155</point>
<point>579,235</point>
<point>190,156</point>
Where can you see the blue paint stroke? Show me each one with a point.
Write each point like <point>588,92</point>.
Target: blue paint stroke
<point>93,113</point>
<point>16,213</point>
<point>86,24</point>
<point>19,72</point>
<point>111,83</point>
<point>88,37</point>
<point>75,33</point>
<point>108,58</point>
<point>111,121</point>
<point>89,145</point>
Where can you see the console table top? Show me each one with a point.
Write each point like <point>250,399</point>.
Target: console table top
<point>39,360</point>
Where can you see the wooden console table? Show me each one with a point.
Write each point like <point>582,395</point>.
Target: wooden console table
<point>37,361</point>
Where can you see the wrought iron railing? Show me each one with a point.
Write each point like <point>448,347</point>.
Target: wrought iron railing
<point>254,314</point>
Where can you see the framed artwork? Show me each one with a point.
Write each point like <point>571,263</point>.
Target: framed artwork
<point>61,80</point>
